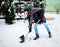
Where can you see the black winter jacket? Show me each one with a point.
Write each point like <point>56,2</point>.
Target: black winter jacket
<point>37,14</point>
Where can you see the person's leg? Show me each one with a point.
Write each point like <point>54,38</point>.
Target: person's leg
<point>36,32</point>
<point>48,30</point>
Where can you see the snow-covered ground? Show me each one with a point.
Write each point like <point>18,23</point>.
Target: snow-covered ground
<point>9,34</point>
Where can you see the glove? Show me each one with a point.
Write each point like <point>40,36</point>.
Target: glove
<point>29,30</point>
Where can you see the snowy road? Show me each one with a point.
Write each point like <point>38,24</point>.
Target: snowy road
<point>9,34</point>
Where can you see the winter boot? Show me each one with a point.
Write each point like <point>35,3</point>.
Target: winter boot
<point>49,34</point>
<point>37,36</point>
<point>22,39</point>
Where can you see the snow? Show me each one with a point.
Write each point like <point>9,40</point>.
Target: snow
<point>9,34</point>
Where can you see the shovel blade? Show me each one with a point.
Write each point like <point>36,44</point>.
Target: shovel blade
<point>22,39</point>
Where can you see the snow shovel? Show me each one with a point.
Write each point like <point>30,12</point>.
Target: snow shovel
<point>23,38</point>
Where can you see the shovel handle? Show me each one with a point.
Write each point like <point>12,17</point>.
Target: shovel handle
<point>27,34</point>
